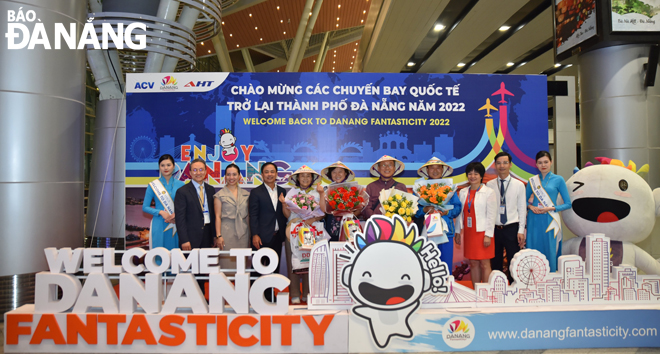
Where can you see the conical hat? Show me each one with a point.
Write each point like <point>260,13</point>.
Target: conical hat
<point>398,165</point>
<point>325,173</point>
<point>293,179</point>
<point>446,169</point>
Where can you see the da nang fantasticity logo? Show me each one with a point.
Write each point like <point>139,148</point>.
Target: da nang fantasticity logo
<point>458,332</point>
<point>390,268</point>
<point>25,30</point>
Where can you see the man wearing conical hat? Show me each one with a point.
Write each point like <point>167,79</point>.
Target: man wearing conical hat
<point>436,169</point>
<point>385,169</point>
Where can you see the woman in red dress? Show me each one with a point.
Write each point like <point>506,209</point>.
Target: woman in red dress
<point>477,223</point>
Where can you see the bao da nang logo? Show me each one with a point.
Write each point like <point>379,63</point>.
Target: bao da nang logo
<point>458,332</point>
<point>390,268</point>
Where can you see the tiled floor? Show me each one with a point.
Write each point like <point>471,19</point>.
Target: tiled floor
<point>549,351</point>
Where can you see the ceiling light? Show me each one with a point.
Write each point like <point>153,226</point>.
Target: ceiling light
<point>255,28</point>
<point>354,57</point>
<point>202,44</point>
<point>362,21</point>
<point>231,35</point>
<point>313,61</point>
<point>339,6</point>
<point>521,26</point>
<point>504,28</point>
<point>310,14</point>
<point>335,55</point>
<point>337,18</point>
<point>510,64</point>
<point>356,43</point>
<point>438,27</point>
<point>209,51</point>
<point>355,50</point>
<point>284,32</point>
<point>278,9</point>
<point>364,12</point>
<point>335,51</point>
<point>223,22</point>
<point>250,15</point>
<point>523,63</point>
<point>337,25</point>
<point>410,63</point>
<point>281,21</point>
<point>237,45</point>
<point>569,65</point>
<point>460,65</point>
<point>351,63</point>
<point>557,65</point>
<point>261,39</point>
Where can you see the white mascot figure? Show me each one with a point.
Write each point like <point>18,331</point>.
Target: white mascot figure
<point>614,200</point>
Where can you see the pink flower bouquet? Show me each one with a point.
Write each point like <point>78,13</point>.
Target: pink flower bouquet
<point>303,204</point>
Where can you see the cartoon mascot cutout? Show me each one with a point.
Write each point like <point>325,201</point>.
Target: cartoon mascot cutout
<point>391,267</point>
<point>614,200</point>
<point>228,144</point>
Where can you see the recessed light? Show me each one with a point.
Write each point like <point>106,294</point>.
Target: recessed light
<point>504,28</point>
<point>281,21</point>
<point>557,65</point>
<point>569,65</point>
<point>356,43</point>
<point>310,14</point>
<point>313,61</point>
<point>335,51</point>
<point>339,6</point>
<point>523,63</point>
<point>209,51</point>
<point>231,35</point>
<point>337,18</point>
<point>223,22</point>
<point>510,64</point>
<point>250,15</point>
<point>355,50</point>
<point>237,45</point>
<point>255,28</point>
<point>202,44</point>
<point>364,12</point>
<point>261,39</point>
<point>351,63</point>
<point>284,32</point>
<point>410,63</point>
<point>354,57</point>
<point>438,27</point>
<point>361,21</point>
<point>460,65</point>
<point>278,9</point>
<point>337,25</point>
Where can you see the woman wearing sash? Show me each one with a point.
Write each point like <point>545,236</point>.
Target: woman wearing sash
<point>543,222</point>
<point>231,216</point>
<point>477,223</point>
<point>163,190</point>
<point>335,173</point>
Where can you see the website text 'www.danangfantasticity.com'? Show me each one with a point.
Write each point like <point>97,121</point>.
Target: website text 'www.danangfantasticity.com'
<point>569,332</point>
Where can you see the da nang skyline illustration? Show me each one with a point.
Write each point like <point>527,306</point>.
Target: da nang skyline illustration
<point>590,281</point>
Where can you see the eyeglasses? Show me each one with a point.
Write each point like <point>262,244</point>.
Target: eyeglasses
<point>502,163</point>
<point>198,169</point>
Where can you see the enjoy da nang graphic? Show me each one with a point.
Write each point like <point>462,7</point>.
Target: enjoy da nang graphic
<point>390,268</point>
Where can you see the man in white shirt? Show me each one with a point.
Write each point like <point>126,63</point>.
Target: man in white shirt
<point>511,215</point>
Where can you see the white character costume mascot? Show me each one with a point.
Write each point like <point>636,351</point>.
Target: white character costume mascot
<point>614,200</point>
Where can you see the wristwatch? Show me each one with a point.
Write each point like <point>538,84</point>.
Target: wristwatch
<point>218,236</point>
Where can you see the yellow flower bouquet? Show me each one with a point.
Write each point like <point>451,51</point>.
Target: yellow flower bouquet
<point>395,202</point>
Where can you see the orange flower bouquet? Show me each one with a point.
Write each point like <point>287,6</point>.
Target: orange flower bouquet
<point>435,193</point>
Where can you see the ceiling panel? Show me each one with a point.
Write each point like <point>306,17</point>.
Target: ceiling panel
<point>537,65</point>
<point>485,18</point>
<point>400,27</point>
<point>533,34</point>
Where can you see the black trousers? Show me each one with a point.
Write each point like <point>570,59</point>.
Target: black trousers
<point>505,238</point>
<point>276,244</point>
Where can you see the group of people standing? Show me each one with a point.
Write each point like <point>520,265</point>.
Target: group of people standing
<point>193,215</point>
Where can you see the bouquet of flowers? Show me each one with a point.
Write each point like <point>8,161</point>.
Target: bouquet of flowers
<point>435,193</point>
<point>396,202</point>
<point>343,200</point>
<point>346,198</point>
<point>303,204</point>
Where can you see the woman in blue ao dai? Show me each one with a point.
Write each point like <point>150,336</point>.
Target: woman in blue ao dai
<point>168,185</point>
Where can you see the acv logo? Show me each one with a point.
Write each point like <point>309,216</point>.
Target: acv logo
<point>458,332</point>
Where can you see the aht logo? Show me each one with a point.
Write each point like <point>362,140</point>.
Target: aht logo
<point>144,85</point>
<point>199,84</point>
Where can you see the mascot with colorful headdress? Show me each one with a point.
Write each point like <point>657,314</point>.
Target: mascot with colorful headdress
<point>615,200</point>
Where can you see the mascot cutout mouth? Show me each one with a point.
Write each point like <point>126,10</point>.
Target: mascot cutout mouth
<point>614,200</point>
<point>601,210</point>
<point>390,267</point>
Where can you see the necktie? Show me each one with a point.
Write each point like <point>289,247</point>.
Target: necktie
<point>201,196</point>
<point>503,202</point>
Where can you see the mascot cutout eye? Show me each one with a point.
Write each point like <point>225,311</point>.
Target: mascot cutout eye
<point>580,184</point>
<point>366,274</point>
<point>623,185</point>
<point>405,276</point>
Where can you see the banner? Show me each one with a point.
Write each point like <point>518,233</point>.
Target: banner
<point>317,119</point>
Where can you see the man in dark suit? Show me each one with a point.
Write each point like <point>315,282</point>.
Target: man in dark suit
<point>194,212</point>
<point>267,221</point>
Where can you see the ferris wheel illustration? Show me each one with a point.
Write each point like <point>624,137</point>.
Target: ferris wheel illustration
<point>143,148</point>
<point>529,267</point>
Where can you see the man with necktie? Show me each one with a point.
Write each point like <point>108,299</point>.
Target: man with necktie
<point>511,213</point>
<point>194,211</point>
